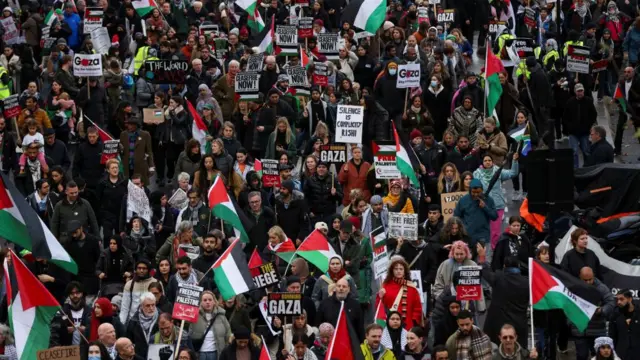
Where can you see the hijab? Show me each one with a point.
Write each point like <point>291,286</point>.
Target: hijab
<point>107,317</point>
<point>394,339</point>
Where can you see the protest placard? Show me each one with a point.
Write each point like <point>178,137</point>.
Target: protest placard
<point>190,251</point>
<point>187,304</point>
<point>110,150</point>
<point>270,173</point>
<point>469,286</point>
<point>179,199</point>
<point>600,65</point>
<point>284,304</point>
<point>137,202</point>
<point>254,62</point>
<point>384,160</point>
<point>328,45</point>
<point>152,116</point>
<point>578,59</point>
<point>92,19</point>
<point>287,40</point>
<point>247,85</point>
<point>294,15</point>
<point>333,154</point>
<point>298,77</point>
<point>60,353</point>
<point>517,50</point>
<point>320,74</point>
<point>264,275</point>
<point>380,256</point>
<point>11,106</point>
<point>168,71</point>
<point>416,278</point>
<point>87,65</point>
<point>423,14</point>
<point>405,225</point>
<point>305,27</point>
<point>349,124</point>
<point>496,27</point>
<point>11,34</point>
<point>210,30</point>
<point>448,202</point>
<point>530,17</point>
<point>222,47</point>
<point>408,76</point>
<point>446,16</point>
<point>160,352</point>
<point>101,41</point>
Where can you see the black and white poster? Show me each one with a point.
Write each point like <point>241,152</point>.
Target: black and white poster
<point>287,39</point>
<point>254,63</point>
<point>247,85</point>
<point>328,45</point>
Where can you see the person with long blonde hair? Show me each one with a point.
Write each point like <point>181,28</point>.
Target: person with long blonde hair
<point>281,140</point>
<point>449,179</point>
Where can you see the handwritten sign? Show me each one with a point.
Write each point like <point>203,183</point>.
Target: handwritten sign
<point>187,303</point>
<point>449,202</point>
<point>403,225</point>
<point>168,71</point>
<point>349,124</point>
<point>60,353</point>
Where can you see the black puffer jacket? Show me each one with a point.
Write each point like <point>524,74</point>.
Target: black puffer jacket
<point>86,164</point>
<point>224,163</point>
<point>376,121</point>
<point>317,191</point>
<point>111,196</point>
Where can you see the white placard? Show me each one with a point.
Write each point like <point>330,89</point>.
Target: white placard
<point>378,239</point>
<point>179,199</point>
<point>92,19</point>
<point>386,167</point>
<point>287,35</point>
<point>155,351</point>
<point>138,203</point>
<point>247,83</point>
<point>408,76</point>
<point>101,42</point>
<point>87,65</point>
<point>578,59</point>
<point>349,124</point>
<point>416,277</point>
<point>405,225</point>
<point>11,34</point>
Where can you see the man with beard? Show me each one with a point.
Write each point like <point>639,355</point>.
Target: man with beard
<point>185,274</point>
<point>509,347</point>
<point>196,213</point>
<point>314,112</point>
<point>322,193</point>
<point>291,210</point>
<point>476,212</point>
<point>282,85</point>
<point>208,256</point>
<point>372,347</point>
<point>375,216</point>
<point>625,327</point>
<point>56,149</point>
<point>210,64</point>
<point>329,308</point>
<point>62,332</point>
<point>460,343</point>
<point>85,249</point>
<point>463,156</point>
<point>320,345</point>
<point>134,288</point>
<point>41,201</point>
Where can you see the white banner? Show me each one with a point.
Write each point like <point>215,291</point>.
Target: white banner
<point>87,65</point>
<point>408,76</point>
<point>403,225</point>
<point>138,203</point>
<point>11,34</point>
<point>349,124</point>
<point>101,41</point>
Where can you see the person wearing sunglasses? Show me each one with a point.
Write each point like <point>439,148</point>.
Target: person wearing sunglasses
<point>509,347</point>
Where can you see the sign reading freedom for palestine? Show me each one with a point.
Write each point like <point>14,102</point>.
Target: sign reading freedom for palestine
<point>187,303</point>
<point>349,124</point>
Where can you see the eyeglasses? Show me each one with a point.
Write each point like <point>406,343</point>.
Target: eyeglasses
<point>508,337</point>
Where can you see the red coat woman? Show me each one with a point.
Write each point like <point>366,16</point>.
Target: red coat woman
<point>399,293</point>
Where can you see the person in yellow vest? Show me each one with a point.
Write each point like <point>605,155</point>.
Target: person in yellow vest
<point>522,68</point>
<point>573,40</point>
<point>500,42</point>
<point>141,54</point>
<point>551,54</point>
<point>151,55</point>
<point>372,344</point>
<point>5,82</point>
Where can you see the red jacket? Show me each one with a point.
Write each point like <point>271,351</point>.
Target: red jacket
<point>352,179</point>
<point>413,312</point>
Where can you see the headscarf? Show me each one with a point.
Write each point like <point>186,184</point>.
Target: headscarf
<point>107,316</point>
<point>394,339</point>
<point>604,340</point>
<point>340,274</point>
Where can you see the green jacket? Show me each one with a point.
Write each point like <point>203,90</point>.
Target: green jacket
<point>368,355</point>
<point>271,147</point>
<point>167,249</point>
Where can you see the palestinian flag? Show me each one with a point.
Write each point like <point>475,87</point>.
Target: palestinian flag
<point>521,134</point>
<point>286,250</point>
<point>50,18</point>
<point>493,88</point>
<point>380,316</point>
<point>255,260</point>
<point>22,226</point>
<point>367,15</point>
<point>620,97</point>
<point>222,207</point>
<point>257,167</point>
<point>31,309</point>
<point>254,20</point>
<point>344,344</point>
<point>551,288</point>
<point>264,351</point>
<point>304,58</point>
<point>316,250</point>
<point>144,7</point>
<point>266,39</point>
<point>231,272</point>
<point>402,159</point>
<point>199,129</point>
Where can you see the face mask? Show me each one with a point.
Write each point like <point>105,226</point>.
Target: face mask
<point>393,71</point>
<point>434,84</point>
<point>93,357</point>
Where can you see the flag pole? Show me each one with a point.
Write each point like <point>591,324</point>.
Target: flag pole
<point>177,347</point>
<point>486,57</point>
<point>531,304</point>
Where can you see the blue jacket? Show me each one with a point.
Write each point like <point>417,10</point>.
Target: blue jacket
<point>496,192</point>
<point>631,44</point>
<point>476,220</point>
<point>74,22</point>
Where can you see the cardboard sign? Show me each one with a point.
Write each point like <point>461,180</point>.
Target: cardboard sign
<point>305,27</point>
<point>152,116</point>
<point>87,65</point>
<point>109,150</point>
<point>270,173</point>
<point>284,304</point>
<point>168,71</point>
<point>187,304</point>
<point>446,16</point>
<point>60,353</point>
<point>469,286</point>
<point>530,18</point>
<point>265,275</point>
<point>254,63</point>
<point>384,160</point>
<point>160,352</point>
<point>11,34</point>
<point>408,76</point>
<point>11,106</point>
<point>448,202</point>
<point>100,39</point>
<point>298,77</point>
<point>600,65</point>
<point>328,45</point>
<point>349,124</point>
<point>405,225</point>
<point>578,59</point>
<point>179,199</point>
<point>333,154</point>
<point>380,256</point>
<point>247,85</point>
<point>92,19</point>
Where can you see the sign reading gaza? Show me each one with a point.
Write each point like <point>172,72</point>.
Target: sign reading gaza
<point>333,153</point>
<point>264,275</point>
<point>408,76</point>
<point>284,304</point>
<point>168,71</point>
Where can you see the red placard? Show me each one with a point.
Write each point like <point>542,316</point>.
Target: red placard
<point>320,80</point>
<point>11,107</point>
<point>305,27</point>
<point>270,173</point>
<point>187,303</point>
<point>469,287</point>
